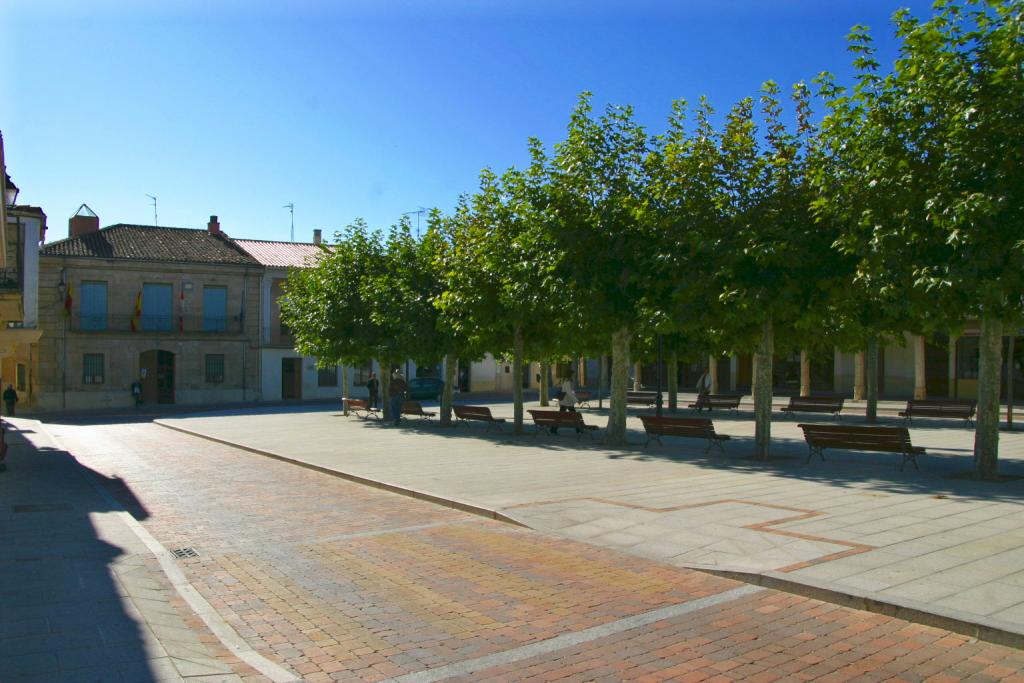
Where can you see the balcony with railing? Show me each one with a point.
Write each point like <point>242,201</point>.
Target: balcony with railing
<point>156,324</point>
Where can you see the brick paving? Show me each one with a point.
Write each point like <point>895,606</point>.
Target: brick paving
<point>336,581</point>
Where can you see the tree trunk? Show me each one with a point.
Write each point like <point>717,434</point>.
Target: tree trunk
<point>517,379</point>
<point>638,373</point>
<point>805,373</point>
<point>858,376</point>
<point>604,381</point>
<point>871,381</point>
<point>713,374</point>
<point>385,391</point>
<point>763,391</point>
<point>543,388</point>
<point>673,382</point>
<point>451,369</point>
<point>616,429</point>
<point>344,390</point>
<point>581,372</point>
<point>952,366</point>
<point>986,433</point>
<point>1009,381</point>
<point>920,383</point>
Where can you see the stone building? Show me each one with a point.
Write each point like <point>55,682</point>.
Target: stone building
<point>174,309</point>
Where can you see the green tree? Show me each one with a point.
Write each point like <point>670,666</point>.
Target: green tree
<point>599,221</point>
<point>771,261</point>
<point>935,180</point>
<point>502,289</point>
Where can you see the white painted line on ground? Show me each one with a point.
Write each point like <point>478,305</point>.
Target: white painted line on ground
<point>543,647</point>
<point>227,635</point>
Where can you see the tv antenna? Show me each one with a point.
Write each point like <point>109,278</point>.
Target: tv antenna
<point>291,210</point>
<point>419,212</point>
<point>155,223</point>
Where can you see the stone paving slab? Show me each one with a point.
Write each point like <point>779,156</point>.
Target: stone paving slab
<point>933,539</point>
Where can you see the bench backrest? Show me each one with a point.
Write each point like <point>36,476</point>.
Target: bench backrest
<point>952,405</point>
<point>720,399</point>
<point>555,417</point>
<point>356,403</point>
<point>801,401</point>
<point>861,438</point>
<point>412,407</point>
<point>473,412</point>
<point>677,425</point>
<point>642,394</point>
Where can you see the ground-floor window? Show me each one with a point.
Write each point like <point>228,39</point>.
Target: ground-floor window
<point>967,358</point>
<point>214,368</point>
<point>21,377</point>
<point>92,368</point>
<point>327,377</point>
<point>362,374</point>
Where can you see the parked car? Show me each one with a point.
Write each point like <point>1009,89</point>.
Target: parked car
<point>426,387</point>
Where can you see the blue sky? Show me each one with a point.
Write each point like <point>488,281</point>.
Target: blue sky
<point>359,109</point>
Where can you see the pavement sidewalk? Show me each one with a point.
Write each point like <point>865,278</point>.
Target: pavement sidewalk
<point>933,545</point>
<point>82,596</point>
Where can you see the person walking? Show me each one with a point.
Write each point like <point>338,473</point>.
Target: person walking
<point>396,392</point>
<point>10,398</point>
<point>567,399</point>
<point>373,386</point>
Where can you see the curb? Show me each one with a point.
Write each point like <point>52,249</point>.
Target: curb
<point>981,628</point>
<point>988,630</point>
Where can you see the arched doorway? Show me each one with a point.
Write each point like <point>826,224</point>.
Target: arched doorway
<point>156,370</point>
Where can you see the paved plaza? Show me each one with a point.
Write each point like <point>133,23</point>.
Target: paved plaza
<point>933,540</point>
<point>134,552</point>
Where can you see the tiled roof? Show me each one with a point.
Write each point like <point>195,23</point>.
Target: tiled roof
<point>281,254</point>
<point>149,243</point>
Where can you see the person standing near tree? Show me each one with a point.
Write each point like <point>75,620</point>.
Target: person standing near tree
<point>10,398</point>
<point>567,398</point>
<point>373,386</point>
<point>396,392</point>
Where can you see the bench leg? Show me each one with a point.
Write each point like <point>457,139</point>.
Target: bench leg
<point>811,451</point>
<point>712,443</point>
<point>912,457</point>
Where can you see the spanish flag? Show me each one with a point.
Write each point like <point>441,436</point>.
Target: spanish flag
<point>68,302</point>
<point>137,315</point>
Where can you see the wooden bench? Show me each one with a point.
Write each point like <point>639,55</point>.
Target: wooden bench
<point>556,419</point>
<point>415,409</point>
<point>688,427</point>
<point>712,401</point>
<point>479,413</point>
<point>861,438</point>
<point>963,409</point>
<point>814,404</point>
<point>643,398</point>
<point>360,407</point>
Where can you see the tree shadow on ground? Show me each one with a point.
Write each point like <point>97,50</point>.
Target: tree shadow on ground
<point>62,611</point>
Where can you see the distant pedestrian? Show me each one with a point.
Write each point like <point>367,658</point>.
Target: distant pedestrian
<point>373,386</point>
<point>567,399</point>
<point>137,393</point>
<point>10,398</point>
<point>396,392</point>
<point>703,390</point>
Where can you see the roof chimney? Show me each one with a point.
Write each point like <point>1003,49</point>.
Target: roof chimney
<point>83,222</point>
<point>317,236</point>
<point>214,225</point>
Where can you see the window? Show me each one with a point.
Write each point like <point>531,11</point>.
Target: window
<point>92,368</point>
<point>327,377</point>
<point>156,307</point>
<point>93,309</point>
<point>214,368</point>
<point>215,309</point>
<point>362,374</point>
<point>967,358</point>
<point>20,376</point>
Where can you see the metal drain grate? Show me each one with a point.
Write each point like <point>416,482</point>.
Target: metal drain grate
<point>42,507</point>
<point>182,553</point>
